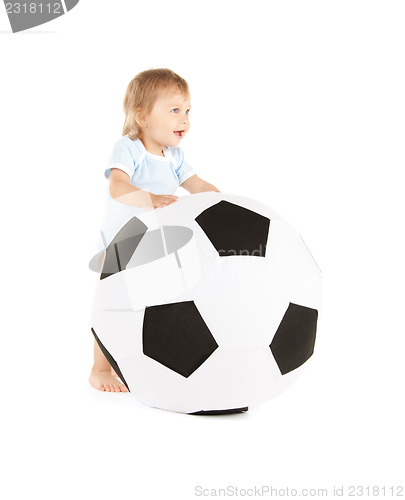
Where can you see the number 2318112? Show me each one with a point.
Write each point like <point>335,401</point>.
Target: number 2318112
<point>34,8</point>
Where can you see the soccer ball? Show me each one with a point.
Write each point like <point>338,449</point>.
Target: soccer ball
<point>209,305</point>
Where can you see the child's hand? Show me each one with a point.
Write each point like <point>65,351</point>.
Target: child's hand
<point>161,200</point>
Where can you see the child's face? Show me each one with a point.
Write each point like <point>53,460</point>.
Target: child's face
<point>167,123</point>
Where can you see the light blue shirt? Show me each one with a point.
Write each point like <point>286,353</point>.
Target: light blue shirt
<point>147,171</point>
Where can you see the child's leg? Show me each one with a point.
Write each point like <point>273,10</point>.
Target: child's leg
<point>101,376</point>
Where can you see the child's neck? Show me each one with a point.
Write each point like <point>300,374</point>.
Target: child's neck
<point>153,149</point>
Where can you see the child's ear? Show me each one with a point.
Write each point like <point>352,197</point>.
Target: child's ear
<point>140,117</point>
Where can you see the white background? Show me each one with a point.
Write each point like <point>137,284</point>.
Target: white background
<point>298,104</point>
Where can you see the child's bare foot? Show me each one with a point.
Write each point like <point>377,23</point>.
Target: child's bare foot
<point>105,381</point>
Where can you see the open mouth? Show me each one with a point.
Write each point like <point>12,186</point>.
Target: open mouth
<point>179,133</point>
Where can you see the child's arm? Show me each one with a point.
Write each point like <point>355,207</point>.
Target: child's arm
<point>123,191</point>
<point>196,185</point>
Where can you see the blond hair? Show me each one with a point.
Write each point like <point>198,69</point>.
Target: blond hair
<point>142,92</point>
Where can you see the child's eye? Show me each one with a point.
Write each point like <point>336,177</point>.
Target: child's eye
<point>176,110</point>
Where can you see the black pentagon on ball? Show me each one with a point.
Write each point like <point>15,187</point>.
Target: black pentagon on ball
<point>235,230</point>
<point>122,247</point>
<point>294,341</point>
<point>221,412</point>
<point>176,336</point>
